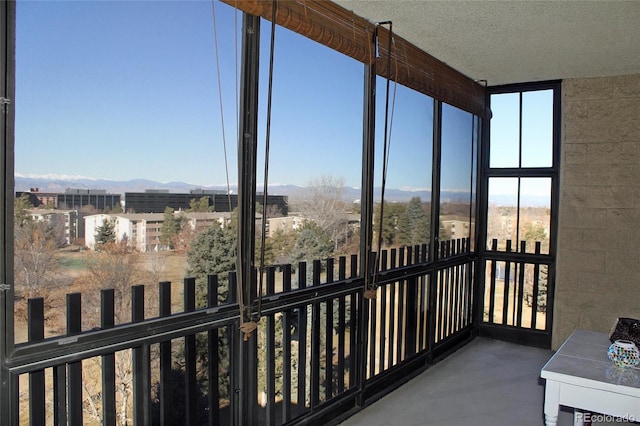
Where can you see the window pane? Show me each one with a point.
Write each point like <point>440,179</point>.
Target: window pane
<point>537,128</point>
<point>535,213</point>
<point>456,173</point>
<point>502,218</point>
<point>505,138</point>
<point>117,100</point>
<point>474,179</point>
<point>407,209</point>
<point>315,153</point>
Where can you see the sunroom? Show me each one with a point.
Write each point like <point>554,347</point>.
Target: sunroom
<point>484,191</point>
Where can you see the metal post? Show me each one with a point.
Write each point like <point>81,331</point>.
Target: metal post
<point>366,216</point>
<point>247,148</point>
<point>8,381</point>
<point>435,225</point>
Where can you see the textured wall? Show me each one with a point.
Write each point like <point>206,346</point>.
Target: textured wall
<point>598,268</point>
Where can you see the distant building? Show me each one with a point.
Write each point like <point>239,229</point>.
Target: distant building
<point>40,199</point>
<point>156,201</point>
<point>63,222</point>
<point>72,199</point>
<point>285,224</point>
<point>79,198</point>
<point>143,230</point>
<point>455,226</point>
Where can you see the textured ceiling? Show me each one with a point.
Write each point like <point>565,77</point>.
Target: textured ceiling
<point>518,41</point>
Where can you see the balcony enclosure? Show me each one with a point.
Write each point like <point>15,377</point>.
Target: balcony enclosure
<point>493,242</point>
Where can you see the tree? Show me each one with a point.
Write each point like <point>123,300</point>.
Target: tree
<point>200,205</point>
<point>534,232</point>
<point>34,258</point>
<point>171,227</point>
<point>413,225</point>
<point>312,243</point>
<point>117,208</point>
<point>323,203</point>
<point>212,252</point>
<point>20,210</point>
<point>392,213</point>
<point>281,244</point>
<point>105,234</point>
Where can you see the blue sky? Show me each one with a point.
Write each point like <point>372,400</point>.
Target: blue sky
<point>120,90</point>
<point>124,90</point>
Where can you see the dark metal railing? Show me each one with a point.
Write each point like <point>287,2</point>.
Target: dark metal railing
<point>518,290</point>
<point>323,349</point>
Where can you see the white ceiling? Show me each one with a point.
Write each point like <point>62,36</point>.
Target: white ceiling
<point>517,41</point>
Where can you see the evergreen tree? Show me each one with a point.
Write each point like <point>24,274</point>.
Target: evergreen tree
<point>171,226</point>
<point>105,233</point>
<point>413,225</point>
<point>281,244</point>
<point>312,243</point>
<point>392,214</point>
<point>20,213</point>
<point>199,205</point>
<point>212,252</point>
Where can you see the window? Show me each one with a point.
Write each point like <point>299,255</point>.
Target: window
<point>458,168</point>
<point>407,209</point>
<point>522,171</point>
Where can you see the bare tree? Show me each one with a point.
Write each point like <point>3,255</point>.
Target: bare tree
<point>322,202</point>
<point>35,258</point>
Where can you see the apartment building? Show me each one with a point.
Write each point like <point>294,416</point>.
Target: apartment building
<point>144,230</point>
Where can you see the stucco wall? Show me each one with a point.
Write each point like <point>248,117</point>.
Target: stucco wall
<point>598,265</point>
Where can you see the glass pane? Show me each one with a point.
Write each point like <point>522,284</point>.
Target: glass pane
<point>115,101</point>
<point>537,128</point>
<point>535,213</point>
<point>474,179</point>
<point>505,138</point>
<point>407,207</point>
<point>315,150</point>
<point>502,217</point>
<point>456,173</point>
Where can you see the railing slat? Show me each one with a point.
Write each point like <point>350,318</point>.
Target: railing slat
<point>213,366</point>
<point>302,341</point>
<point>74,326</point>
<point>60,395</point>
<point>107,320</point>
<point>382,330</point>
<point>190,354</point>
<point>36,378</point>
<point>315,341</point>
<point>523,249</point>
<point>141,364</point>
<point>286,348</point>
<point>164,387</point>
<point>507,284</point>
<point>328,341</point>
<point>536,289</point>
<point>405,259</point>
<point>271,354</point>
<point>391,328</point>
<point>342,275</point>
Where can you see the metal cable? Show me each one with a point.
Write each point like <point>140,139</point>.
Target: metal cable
<point>388,122</point>
<point>274,12</point>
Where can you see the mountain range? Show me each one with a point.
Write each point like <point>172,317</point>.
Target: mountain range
<point>51,183</point>
<point>48,183</point>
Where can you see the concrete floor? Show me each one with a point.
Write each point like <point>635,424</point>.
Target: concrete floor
<point>487,382</point>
